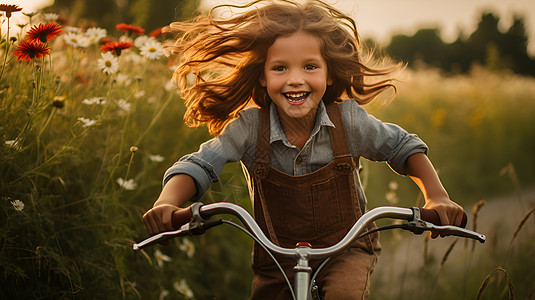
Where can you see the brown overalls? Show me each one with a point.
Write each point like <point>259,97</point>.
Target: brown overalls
<point>318,208</point>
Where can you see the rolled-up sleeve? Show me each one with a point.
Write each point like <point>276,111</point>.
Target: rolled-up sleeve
<point>205,165</point>
<point>201,171</point>
<point>379,141</point>
<point>410,144</point>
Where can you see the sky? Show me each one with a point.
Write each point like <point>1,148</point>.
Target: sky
<point>380,19</point>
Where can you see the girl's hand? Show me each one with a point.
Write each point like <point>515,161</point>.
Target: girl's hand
<point>449,212</point>
<point>423,173</point>
<point>159,218</point>
<point>178,190</point>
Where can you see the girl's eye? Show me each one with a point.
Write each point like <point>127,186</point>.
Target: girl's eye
<point>279,68</point>
<point>310,67</point>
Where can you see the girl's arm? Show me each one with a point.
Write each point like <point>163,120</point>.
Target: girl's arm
<point>204,167</point>
<point>176,192</point>
<point>422,172</point>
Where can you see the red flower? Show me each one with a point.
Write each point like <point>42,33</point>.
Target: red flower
<point>28,50</point>
<point>9,9</point>
<point>105,40</point>
<point>156,33</point>
<point>130,28</point>
<point>116,47</point>
<point>44,33</point>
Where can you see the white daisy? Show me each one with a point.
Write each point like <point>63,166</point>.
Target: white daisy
<point>128,185</point>
<point>72,29</point>
<point>123,79</point>
<point>133,57</point>
<point>76,40</point>
<point>87,122</point>
<point>156,158</point>
<point>94,101</point>
<point>139,94</point>
<point>183,288</point>
<point>108,63</point>
<point>95,34</point>
<point>18,205</point>
<point>142,40</point>
<point>152,50</point>
<point>126,38</point>
<point>163,294</point>
<point>188,247</point>
<point>123,105</point>
<point>161,258</point>
<point>50,17</point>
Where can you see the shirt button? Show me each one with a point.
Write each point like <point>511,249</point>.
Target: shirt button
<point>299,160</point>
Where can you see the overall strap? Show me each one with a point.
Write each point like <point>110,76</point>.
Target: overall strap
<point>263,148</point>
<point>261,166</point>
<point>338,134</point>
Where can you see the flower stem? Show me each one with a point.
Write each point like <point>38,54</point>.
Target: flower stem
<point>154,119</point>
<point>47,122</point>
<point>7,51</point>
<point>129,164</point>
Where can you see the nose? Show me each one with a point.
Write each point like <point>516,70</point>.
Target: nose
<point>295,78</point>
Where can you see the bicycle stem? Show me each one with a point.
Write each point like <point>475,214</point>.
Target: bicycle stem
<point>302,273</point>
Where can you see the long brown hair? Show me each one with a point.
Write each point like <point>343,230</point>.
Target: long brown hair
<point>222,59</point>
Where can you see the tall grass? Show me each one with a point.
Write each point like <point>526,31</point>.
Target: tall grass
<point>82,153</point>
<point>480,129</point>
<point>81,157</point>
<point>475,125</point>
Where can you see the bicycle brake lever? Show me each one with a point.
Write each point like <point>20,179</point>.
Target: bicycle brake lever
<point>419,226</point>
<point>161,237</point>
<point>192,228</point>
<point>197,226</point>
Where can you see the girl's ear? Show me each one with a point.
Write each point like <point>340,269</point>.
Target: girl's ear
<point>329,81</point>
<point>262,81</point>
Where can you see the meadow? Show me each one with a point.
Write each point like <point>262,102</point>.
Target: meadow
<point>90,120</point>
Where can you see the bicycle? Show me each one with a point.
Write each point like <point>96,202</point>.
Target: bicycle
<point>417,220</point>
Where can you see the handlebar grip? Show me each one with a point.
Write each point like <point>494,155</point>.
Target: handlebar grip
<point>181,217</point>
<point>431,216</point>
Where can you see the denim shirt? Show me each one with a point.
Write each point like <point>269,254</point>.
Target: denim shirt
<point>368,137</point>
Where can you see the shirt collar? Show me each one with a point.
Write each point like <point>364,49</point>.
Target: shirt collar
<point>277,133</point>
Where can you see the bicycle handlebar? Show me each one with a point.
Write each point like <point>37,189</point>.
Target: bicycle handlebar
<point>419,220</point>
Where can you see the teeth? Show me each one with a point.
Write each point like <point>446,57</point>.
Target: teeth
<point>296,96</point>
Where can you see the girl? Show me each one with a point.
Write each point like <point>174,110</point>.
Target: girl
<point>280,86</point>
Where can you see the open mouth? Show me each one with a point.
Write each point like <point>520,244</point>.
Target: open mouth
<point>296,97</point>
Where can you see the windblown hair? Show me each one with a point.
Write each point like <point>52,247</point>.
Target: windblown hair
<point>222,59</point>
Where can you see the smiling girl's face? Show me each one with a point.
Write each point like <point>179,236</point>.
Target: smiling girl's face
<point>295,76</point>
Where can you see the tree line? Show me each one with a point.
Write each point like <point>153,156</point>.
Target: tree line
<point>486,46</point>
